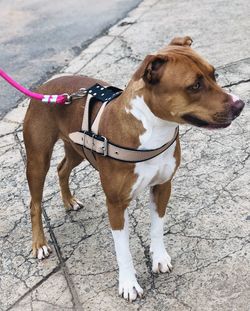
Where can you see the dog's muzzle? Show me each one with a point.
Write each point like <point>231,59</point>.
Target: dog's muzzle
<point>221,119</point>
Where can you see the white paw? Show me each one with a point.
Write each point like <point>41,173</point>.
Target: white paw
<point>73,205</point>
<point>76,204</point>
<point>43,252</point>
<point>129,288</point>
<point>161,261</point>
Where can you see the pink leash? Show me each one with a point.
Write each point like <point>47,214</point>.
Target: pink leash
<point>57,99</point>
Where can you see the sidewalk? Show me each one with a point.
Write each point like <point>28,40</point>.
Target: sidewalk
<point>207,226</point>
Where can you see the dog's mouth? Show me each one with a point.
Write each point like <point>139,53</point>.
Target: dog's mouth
<point>191,119</point>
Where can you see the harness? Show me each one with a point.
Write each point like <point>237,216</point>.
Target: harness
<point>88,137</point>
<point>93,143</point>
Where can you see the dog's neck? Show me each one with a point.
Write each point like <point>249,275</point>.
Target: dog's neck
<point>149,130</point>
<point>157,131</point>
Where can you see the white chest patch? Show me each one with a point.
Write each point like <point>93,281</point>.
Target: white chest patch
<point>157,133</point>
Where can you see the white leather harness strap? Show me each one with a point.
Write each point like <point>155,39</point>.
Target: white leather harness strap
<point>92,142</point>
<point>85,127</point>
<point>95,125</point>
<point>105,148</point>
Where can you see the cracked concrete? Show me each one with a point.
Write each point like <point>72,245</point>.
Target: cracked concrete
<point>207,225</point>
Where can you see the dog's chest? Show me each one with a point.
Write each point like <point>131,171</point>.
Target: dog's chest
<point>155,171</point>
<point>157,132</point>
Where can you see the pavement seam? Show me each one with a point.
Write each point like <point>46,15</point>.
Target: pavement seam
<point>21,149</point>
<point>45,278</point>
<point>76,301</point>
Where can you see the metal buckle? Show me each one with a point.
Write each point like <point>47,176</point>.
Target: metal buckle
<point>92,143</point>
<point>93,136</point>
<point>83,138</point>
<point>105,146</point>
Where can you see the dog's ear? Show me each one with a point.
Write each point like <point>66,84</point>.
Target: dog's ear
<point>151,69</point>
<point>182,41</point>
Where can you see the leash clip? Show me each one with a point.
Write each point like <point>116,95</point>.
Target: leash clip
<point>68,98</point>
<point>82,92</point>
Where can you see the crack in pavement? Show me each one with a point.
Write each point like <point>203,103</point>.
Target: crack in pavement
<point>236,83</point>
<point>114,37</point>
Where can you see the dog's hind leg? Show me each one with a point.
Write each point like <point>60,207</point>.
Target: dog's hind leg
<point>71,160</point>
<point>39,138</point>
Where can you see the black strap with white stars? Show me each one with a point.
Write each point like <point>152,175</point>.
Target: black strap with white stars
<point>104,94</point>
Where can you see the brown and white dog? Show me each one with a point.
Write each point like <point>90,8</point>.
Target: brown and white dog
<point>171,87</point>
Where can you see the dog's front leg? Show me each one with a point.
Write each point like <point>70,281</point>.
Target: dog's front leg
<point>128,285</point>
<point>159,196</point>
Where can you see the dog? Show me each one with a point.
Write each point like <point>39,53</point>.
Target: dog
<point>171,87</point>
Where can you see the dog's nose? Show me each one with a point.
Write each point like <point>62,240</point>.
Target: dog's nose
<point>237,107</point>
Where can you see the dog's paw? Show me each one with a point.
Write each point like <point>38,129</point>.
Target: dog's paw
<point>41,252</point>
<point>129,288</point>
<point>73,204</point>
<point>161,262</point>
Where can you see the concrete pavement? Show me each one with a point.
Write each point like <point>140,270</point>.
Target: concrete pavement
<point>207,225</point>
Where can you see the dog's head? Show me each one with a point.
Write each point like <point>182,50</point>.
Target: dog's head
<point>180,86</point>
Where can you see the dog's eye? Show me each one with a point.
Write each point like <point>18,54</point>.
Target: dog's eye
<point>196,86</point>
